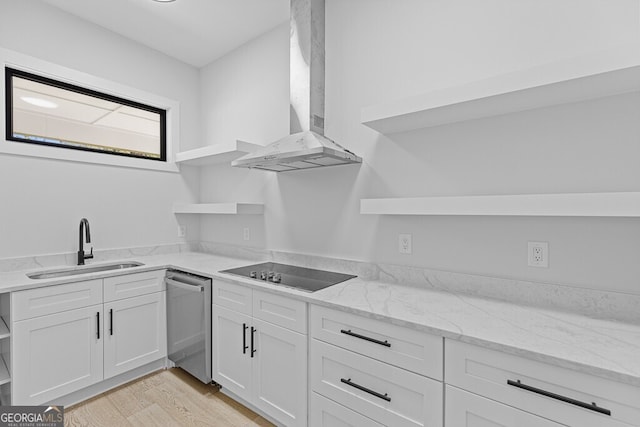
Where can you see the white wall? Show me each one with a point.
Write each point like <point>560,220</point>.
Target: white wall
<point>43,200</point>
<point>380,50</point>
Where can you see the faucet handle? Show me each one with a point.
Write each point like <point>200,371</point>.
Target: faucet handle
<point>90,254</point>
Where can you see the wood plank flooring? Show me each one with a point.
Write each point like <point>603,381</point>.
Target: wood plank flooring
<point>166,398</point>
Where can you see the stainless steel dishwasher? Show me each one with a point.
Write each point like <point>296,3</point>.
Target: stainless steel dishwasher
<point>189,323</point>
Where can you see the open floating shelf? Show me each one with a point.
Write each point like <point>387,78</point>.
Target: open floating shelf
<point>5,377</point>
<point>568,204</point>
<point>220,208</point>
<point>215,154</point>
<point>4,329</point>
<point>579,79</point>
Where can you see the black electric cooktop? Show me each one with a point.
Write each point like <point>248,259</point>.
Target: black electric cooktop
<point>305,279</point>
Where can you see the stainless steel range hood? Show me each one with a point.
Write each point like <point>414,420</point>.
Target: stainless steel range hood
<point>306,146</point>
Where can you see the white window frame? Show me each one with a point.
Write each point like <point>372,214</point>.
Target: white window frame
<point>37,66</point>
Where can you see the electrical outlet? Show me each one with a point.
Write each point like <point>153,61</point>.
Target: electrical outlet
<point>538,254</point>
<point>404,243</point>
<point>182,230</point>
<point>246,234</point>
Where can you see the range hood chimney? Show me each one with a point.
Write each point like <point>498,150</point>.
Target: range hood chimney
<point>306,146</point>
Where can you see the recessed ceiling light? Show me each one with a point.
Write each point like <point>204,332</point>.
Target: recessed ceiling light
<point>39,102</point>
<point>164,1</point>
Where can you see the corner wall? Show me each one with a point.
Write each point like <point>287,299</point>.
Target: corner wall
<point>379,50</point>
<point>43,200</point>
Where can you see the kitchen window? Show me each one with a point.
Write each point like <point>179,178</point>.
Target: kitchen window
<point>44,111</point>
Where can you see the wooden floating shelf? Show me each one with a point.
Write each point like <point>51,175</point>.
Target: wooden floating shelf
<point>589,77</point>
<point>621,204</point>
<point>220,208</point>
<point>215,154</point>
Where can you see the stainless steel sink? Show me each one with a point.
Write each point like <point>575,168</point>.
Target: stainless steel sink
<point>74,271</point>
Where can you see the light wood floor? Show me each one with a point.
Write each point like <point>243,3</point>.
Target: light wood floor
<point>165,398</point>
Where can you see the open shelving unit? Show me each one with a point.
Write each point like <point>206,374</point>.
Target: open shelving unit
<point>5,350</point>
<point>220,208</point>
<point>615,204</point>
<point>609,73</point>
<point>215,154</point>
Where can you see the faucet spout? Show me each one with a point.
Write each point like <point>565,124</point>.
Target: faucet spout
<point>87,236</point>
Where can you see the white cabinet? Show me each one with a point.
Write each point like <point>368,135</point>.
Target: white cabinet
<point>65,338</point>
<point>260,350</point>
<point>135,333</point>
<point>464,409</point>
<point>56,354</point>
<point>562,395</point>
<point>376,370</point>
<point>324,412</point>
<point>231,366</point>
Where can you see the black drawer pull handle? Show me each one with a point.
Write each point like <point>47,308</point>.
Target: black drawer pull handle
<point>362,337</point>
<point>244,338</point>
<point>253,350</point>
<point>590,406</point>
<point>359,387</point>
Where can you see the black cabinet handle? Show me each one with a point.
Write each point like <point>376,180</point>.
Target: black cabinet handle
<point>590,406</point>
<point>362,337</point>
<point>98,324</point>
<point>359,387</point>
<point>244,338</point>
<point>253,350</point>
<point>111,321</point>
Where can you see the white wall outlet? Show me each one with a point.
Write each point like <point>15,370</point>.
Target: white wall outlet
<point>404,243</point>
<point>538,254</point>
<point>246,234</point>
<point>182,230</point>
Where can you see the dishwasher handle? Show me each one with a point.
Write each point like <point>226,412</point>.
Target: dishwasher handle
<point>185,286</point>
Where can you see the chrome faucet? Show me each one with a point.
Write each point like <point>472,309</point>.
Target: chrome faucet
<point>81,255</point>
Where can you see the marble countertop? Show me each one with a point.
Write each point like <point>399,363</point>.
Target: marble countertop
<point>609,349</point>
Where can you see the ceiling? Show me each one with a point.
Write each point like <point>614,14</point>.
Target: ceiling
<point>196,32</point>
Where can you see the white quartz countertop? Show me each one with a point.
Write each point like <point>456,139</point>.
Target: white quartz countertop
<point>609,349</point>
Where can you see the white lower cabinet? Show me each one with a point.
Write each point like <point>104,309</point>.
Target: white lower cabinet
<point>135,333</point>
<point>56,354</point>
<point>558,394</point>
<point>464,409</point>
<point>324,412</point>
<point>367,372</point>
<point>262,362</point>
<point>64,338</point>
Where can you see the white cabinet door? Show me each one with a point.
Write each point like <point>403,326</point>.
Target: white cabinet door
<point>280,373</point>
<point>56,354</point>
<point>135,332</point>
<point>464,409</point>
<point>231,351</point>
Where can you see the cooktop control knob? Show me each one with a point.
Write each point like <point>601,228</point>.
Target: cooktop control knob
<point>270,275</point>
<point>253,274</point>
<point>277,278</point>
<point>263,275</point>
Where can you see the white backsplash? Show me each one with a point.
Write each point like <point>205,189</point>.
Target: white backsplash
<point>589,302</point>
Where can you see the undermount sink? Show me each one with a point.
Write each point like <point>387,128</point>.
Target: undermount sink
<point>74,271</point>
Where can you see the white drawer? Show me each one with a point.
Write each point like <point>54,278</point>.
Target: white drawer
<point>487,372</point>
<point>464,409</point>
<point>55,299</point>
<point>404,398</point>
<point>327,413</point>
<point>232,296</point>
<point>133,285</point>
<point>282,311</point>
<point>403,347</point>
